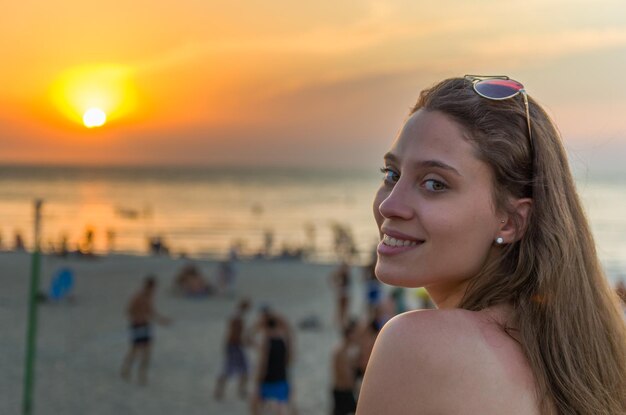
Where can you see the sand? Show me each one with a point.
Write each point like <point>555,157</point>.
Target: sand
<point>81,343</point>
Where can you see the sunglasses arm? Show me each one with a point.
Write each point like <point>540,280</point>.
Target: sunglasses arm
<point>484,77</point>
<point>530,134</point>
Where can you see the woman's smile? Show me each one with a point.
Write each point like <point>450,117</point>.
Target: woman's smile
<point>394,242</point>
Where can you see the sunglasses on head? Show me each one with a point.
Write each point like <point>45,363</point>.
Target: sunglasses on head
<point>498,88</point>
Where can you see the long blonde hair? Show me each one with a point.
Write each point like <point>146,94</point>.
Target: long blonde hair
<point>569,319</point>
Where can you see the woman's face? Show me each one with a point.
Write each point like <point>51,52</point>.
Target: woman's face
<point>434,209</point>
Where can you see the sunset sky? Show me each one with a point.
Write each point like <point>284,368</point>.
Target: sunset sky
<point>287,83</point>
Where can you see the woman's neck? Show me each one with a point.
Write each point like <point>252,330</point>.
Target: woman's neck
<point>447,296</point>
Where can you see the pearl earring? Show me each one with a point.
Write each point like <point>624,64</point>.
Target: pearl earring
<point>499,240</point>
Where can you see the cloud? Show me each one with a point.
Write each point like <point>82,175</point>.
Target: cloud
<point>383,25</point>
<point>549,45</point>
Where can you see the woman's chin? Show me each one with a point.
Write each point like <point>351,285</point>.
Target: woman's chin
<point>397,276</point>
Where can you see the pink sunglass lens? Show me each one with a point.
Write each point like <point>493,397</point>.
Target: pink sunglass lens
<point>498,88</point>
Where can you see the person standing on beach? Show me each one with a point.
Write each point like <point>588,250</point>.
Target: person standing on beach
<point>272,384</point>
<point>19,246</point>
<point>620,289</point>
<point>478,205</point>
<point>227,272</point>
<point>340,280</point>
<point>366,334</point>
<point>236,361</point>
<point>344,377</point>
<point>141,313</point>
<point>373,287</point>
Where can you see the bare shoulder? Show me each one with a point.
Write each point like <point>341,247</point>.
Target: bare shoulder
<point>446,361</point>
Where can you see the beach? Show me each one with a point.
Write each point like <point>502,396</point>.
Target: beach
<point>81,342</point>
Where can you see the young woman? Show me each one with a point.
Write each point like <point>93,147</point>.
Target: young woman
<point>478,205</point>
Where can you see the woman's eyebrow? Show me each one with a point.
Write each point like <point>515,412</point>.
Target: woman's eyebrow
<point>425,163</point>
<point>390,157</point>
<point>438,164</point>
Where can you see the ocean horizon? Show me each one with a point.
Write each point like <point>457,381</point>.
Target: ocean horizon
<point>202,211</point>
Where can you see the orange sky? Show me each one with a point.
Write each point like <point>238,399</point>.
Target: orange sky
<point>289,83</point>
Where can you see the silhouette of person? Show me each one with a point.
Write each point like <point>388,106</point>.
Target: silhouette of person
<point>141,313</point>
<point>236,361</point>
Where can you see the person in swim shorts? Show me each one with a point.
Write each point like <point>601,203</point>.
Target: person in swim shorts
<point>273,389</point>
<point>141,313</point>
<point>236,361</point>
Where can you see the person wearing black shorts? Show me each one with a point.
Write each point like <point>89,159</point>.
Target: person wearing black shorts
<point>140,314</point>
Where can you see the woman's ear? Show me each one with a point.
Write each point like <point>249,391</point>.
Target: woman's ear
<point>513,226</point>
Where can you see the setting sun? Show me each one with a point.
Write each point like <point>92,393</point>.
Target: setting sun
<point>94,117</point>
<point>94,94</point>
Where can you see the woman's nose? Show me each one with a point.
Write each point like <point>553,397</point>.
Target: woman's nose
<point>396,204</point>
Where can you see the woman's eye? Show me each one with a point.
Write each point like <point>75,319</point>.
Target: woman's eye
<point>434,185</point>
<point>390,176</point>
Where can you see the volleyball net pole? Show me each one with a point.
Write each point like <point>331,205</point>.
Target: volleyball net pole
<point>31,333</point>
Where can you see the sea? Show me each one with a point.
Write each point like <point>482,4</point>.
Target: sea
<point>205,212</point>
